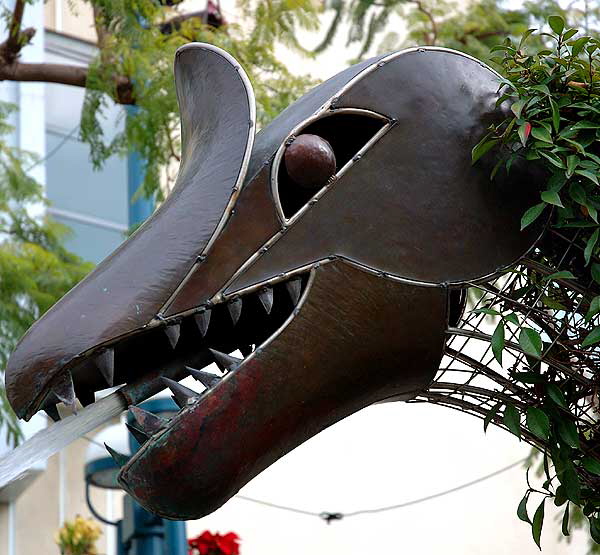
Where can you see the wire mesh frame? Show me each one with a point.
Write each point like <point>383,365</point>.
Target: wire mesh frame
<point>471,379</point>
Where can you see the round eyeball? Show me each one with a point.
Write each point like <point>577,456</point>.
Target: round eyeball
<point>310,161</point>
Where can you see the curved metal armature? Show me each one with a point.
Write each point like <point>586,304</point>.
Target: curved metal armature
<point>471,379</point>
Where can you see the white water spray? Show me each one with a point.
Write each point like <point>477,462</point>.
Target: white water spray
<point>57,436</point>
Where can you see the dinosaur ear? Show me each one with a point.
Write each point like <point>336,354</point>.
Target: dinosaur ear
<point>218,114</point>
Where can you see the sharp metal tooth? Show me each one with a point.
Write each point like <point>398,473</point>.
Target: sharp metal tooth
<point>207,379</point>
<point>235,309</point>
<point>266,298</point>
<point>224,361</point>
<point>140,436</point>
<point>182,395</point>
<point>245,350</point>
<point>149,423</point>
<point>105,362</point>
<point>294,288</point>
<point>202,320</point>
<point>119,458</point>
<point>173,332</point>
<point>64,391</point>
<point>52,412</point>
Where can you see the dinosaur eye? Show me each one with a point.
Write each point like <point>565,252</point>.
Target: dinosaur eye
<point>323,147</point>
<point>310,161</point>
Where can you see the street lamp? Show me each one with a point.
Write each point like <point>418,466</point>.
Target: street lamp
<point>139,532</point>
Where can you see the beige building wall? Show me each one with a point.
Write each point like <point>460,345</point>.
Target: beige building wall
<point>28,525</point>
<point>73,18</point>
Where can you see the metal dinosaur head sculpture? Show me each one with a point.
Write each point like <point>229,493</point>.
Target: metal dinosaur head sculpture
<point>332,249</point>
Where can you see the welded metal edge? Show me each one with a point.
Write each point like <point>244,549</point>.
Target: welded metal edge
<point>236,189</point>
<point>329,107</point>
<point>393,55</point>
<point>319,115</point>
<point>181,413</point>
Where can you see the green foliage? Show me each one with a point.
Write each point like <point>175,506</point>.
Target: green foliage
<point>133,45</point>
<point>553,91</point>
<point>35,268</point>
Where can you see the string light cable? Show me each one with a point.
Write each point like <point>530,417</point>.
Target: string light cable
<point>329,517</point>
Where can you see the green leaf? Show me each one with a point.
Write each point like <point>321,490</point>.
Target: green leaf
<point>528,377</point>
<point>525,36</point>
<point>553,159</point>
<point>538,423</point>
<point>591,464</point>
<point>594,529</point>
<point>556,394</point>
<point>565,274</point>
<point>522,509</point>
<point>524,131</point>
<point>584,124</point>
<point>498,341</point>
<point>595,270</point>
<point>572,162</point>
<point>592,338</point>
<point>555,115</point>
<point>488,311</point>
<point>542,134</point>
<point>578,147</point>
<point>576,191</point>
<point>565,522</point>
<point>588,175</point>
<point>482,147</point>
<point>517,107</point>
<point>531,342</point>
<point>513,318</point>
<point>567,430</point>
<point>594,308</point>
<point>552,197</point>
<point>490,415</point>
<point>532,214</point>
<point>553,303</point>
<point>557,23</point>
<point>578,45</point>
<point>512,419</point>
<point>569,479</point>
<point>590,245</point>
<point>538,522</point>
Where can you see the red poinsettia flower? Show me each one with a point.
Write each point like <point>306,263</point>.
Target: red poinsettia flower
<point>208,543</point>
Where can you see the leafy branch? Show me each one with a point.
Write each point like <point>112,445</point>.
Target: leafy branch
<point>551,97</point>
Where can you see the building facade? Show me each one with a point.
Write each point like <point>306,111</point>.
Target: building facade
<point>96,206</point>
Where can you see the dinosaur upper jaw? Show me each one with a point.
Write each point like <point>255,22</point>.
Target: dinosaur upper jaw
<point>37,380</point>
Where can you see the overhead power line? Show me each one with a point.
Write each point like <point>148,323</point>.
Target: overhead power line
<point>329,517</point>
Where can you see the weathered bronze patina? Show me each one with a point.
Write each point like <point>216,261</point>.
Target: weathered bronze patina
<point>337,289</point>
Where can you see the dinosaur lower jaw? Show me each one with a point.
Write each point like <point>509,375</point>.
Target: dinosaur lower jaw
<point>354,339</point>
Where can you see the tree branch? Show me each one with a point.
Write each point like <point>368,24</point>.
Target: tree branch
<point>209,16</point>
<point>12,44</point>
<point>432,38</point>
<point>65,75</point>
